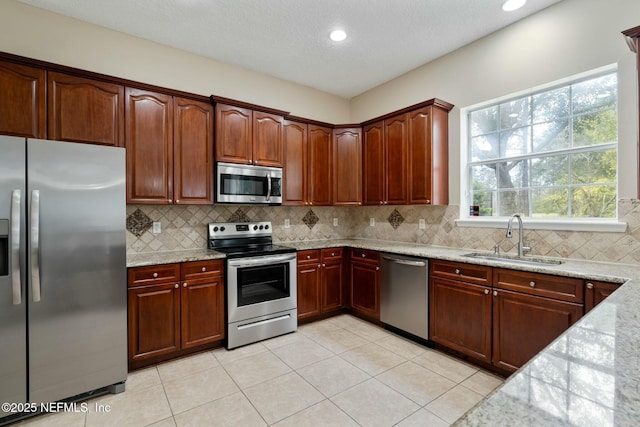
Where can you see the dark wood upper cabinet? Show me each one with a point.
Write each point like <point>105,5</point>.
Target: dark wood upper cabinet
<point>149,144</point>
<point>295,171</point>
<point>22,100</point>
<point>347,169</point>
<point>234,139</point>
<point>85,110</point>
<point>373,164</point>
<point>396,148</point>
<point>267,139</point>
<point>192,152</point>
<point>248,137</point>
<point>319,143</point>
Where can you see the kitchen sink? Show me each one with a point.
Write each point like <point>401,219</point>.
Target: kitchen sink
<point>531,260</point>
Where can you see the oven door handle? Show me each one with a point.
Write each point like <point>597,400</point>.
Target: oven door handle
<point>263,260</point>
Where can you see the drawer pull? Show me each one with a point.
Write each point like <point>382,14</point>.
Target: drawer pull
<point>377,268</point>
<point>155,275</point>
<point>532,284</point>
<point>324,265</point>
<point>486,291</point>
<point>308,256</point>
<point>184,285</point>
<point>589,285</point>
<point>458,271</point>
<point>364,256</point>
<point>333,254</point>
<point>176,286</point>
<point>204,269</point>
<point>495,293</point>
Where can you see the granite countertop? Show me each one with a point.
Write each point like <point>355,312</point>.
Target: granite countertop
<point>589,376</point>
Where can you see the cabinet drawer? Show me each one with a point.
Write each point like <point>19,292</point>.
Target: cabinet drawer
<point>459,271</point>
<point>198,270</point>
<point>331,254</point>
<point>149,275</point>
<point>557,287</point>
<point>312,255</point>
<point>365,255</point>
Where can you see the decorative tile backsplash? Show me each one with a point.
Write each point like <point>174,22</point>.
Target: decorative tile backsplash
<point>184,227</point>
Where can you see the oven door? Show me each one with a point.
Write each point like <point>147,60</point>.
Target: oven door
<point>261,285</point>
<point>248,184</point>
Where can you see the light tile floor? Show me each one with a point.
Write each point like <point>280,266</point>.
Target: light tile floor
<point>340,371</point>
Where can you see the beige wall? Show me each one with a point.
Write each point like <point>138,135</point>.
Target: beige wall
<point>36,33</point>
<point>568,38</point>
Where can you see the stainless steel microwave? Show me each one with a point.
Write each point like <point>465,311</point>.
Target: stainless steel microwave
<point>248,184</point>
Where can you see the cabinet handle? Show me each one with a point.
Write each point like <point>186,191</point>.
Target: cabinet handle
<point>381,202</point>
<point>324,265</point>
<point>176,286</point>
<point>364,256</point>
<point>155,275</point>
<point>184,285</point>
<point>310,203</point>
<point>377,268</point>
<point>458,271</point>
<point>319,265</point>
<point>177,201</point>
<point>250,162</point>
<point>170,201</point>
<point>532,284</point>
<point>486,291</point>
<point>204,269</point>
<point>495,293</point>
<point>428,201</point>
<point>308,256</point>
<point>589,285</point>
<point>333,254</point>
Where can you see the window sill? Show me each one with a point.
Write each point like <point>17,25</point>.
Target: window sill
<point>611,226</point>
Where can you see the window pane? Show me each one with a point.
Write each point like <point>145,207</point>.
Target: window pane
<point>597,201</point>
<point>483,177</point>
<point>486,201</point>
<point>514,114</point>
<point>513,174</point>
<point>593,167</point>
<point>551,105</point>
<point>514,143</point>
<point>550,171</point>
<point>550,202</point>
<point>595,128</point>
<point>484,147</point>
<point>514,201</point>
<point>484,121</point>
<point>595,94</point>
<point>551,136</point>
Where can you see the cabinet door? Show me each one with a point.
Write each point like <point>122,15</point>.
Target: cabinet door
<point>419,144</point>
<point>332,274</point>
<point>596,292</point>
<point>267,139</point>
<point>149,144</point>
<point>524,324</point>
<point>373,169</point>
<point>193,152</point>
<point>154,321</point>
<point>319,166</point>
<point>22,101</point>
<point>295,163</point>
<point>347,161</point>
<point>308,290</point>
<point>460,317</point>
<point>234,138</point>
<point>365,289</point>
<point>85,110</point>
<point>395,134</point>
<point>202,312</point>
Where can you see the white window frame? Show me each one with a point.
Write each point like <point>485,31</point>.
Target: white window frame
<point>569,224</point>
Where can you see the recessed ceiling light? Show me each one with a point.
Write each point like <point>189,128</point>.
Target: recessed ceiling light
<point>511,5</point>
<point>337,35</point>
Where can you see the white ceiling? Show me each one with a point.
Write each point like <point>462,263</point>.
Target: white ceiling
<point>288,39</point>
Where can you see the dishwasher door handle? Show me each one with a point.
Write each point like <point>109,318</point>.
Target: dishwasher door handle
<point>406,262</point>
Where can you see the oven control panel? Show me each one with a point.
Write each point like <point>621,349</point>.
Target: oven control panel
<point>225,230</point>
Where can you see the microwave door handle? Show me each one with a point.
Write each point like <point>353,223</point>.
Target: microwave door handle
<point>268,186</point>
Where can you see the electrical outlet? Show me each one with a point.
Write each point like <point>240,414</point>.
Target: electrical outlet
<point>287,223</point>
<point>157,227</point>
<point>372,222</point>
<point>335,222</point>
<point>421,224</point>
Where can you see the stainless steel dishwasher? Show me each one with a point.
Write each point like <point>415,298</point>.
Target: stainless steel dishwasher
<point>404,297</point>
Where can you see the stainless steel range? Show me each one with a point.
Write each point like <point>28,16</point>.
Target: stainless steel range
<point>260,282</point>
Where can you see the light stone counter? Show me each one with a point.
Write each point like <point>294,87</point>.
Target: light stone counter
<point>589,376</point>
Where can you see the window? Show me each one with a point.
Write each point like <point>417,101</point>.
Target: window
<point>551,154</point>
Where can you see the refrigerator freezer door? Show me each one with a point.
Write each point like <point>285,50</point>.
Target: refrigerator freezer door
<point>13,317</point>
<point>78,321</point>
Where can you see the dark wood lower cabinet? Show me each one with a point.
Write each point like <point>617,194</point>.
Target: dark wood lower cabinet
<point>308,289</point>
<point>525,324</point>
<point>596,292</point>
<point>461,317</point>
<point>320,282</point>
<point>182,312</point>
<point>365,283</point>
<point>332,278</point>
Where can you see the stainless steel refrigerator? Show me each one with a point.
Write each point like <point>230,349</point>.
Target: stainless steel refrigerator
<point>63,309</point>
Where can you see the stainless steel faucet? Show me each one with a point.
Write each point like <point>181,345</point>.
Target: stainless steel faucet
<point>521,247</point>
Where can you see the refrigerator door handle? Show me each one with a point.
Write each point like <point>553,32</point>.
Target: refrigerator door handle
<point>35,244</point>
<point>16,201</point>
